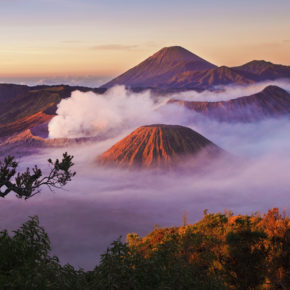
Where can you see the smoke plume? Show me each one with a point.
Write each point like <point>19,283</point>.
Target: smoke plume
<point>89,114</point>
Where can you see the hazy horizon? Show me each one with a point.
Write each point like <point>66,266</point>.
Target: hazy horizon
<point>87,80</point>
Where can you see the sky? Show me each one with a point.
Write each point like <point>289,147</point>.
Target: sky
<point>53,40</point>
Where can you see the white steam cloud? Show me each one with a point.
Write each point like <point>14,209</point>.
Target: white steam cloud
<point>90,114</point>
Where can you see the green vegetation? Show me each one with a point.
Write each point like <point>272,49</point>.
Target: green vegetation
<point>221,251</point>
<point>25,263</point>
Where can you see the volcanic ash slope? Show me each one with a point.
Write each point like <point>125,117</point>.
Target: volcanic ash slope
<point>158,146</point>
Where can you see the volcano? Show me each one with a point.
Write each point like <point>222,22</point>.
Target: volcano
<point>175,68</point>
<point>158,69</point>
<point>271,102</point>
<point>24,107</point>
<point>158,145</point>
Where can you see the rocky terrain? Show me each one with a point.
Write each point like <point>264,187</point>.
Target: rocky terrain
<point>24,107</point>
<point>158,145</point>
<point>272,102</point>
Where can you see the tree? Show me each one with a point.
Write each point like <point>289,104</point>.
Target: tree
<point>245,263</point>
<point>26,263</point>
<point>28,183</point>
<point>276,226</point>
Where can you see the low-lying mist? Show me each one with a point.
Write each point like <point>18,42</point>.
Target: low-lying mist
<point>119,109</point>
<point>100,204</point>
<point>229,92</point>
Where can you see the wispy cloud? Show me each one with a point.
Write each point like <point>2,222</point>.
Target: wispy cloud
<point>114,47</point>
<point>71,41</point>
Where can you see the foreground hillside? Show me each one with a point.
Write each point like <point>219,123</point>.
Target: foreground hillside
<point>221,251</point>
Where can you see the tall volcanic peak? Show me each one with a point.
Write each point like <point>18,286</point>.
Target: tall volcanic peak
<point>157,145</point>
<point>174,54</point>
<point>175,68</point>
<point>158,69</point>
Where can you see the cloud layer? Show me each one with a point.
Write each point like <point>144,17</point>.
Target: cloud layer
<point>225,93</point>
<point>101,204</point>
<point>90,114</point>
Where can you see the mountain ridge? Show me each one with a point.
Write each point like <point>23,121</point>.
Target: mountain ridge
<point>177,68</point>
<point>271,102</point>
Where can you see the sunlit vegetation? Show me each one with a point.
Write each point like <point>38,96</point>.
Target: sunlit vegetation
<point>221,251</point>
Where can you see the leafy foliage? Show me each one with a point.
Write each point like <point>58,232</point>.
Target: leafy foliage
<point>244,266</point>
<point>238,252</point>
<point>221,251</point>
<point>25,263</point>
<point>28,183</point>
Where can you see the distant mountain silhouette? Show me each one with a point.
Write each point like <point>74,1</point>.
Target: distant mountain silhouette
<point>272,102</point>
<point>260,70</point>
<point>206,79</point>
<point>157,145</point>
<point>159,68</point>
<point>177,68</point>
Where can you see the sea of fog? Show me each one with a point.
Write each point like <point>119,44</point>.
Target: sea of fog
<point>102,204</point>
